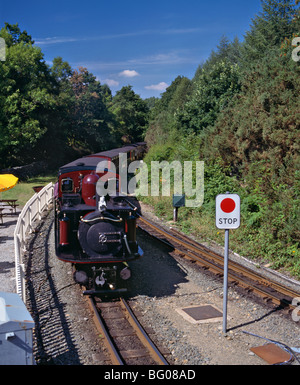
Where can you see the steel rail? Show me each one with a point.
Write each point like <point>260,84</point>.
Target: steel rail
<point>244,270</point>
<point>146,341</point>
<point>250,280</point>
<point>114,355</point>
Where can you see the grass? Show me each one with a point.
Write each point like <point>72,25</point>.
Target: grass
<point>200,223</point>
<point>244,241</point>
<point>23,191</point>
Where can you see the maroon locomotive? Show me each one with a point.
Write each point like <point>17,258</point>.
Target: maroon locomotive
<point>94,232</point>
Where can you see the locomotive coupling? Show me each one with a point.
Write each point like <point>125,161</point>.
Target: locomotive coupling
<point>105,277</point>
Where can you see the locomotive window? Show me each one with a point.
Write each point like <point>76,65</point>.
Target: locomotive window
<point>67,185</point>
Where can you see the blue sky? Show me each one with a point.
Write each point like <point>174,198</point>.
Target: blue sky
<point>146,44</point>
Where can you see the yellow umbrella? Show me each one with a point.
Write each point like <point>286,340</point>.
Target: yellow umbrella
<point>7,181</point>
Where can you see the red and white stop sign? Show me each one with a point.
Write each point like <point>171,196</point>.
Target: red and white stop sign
<point>228,208</point>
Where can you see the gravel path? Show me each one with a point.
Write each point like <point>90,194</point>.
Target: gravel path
<point>159,300</point>
<point>162,283</point>
<point>64,331</point>
<point>174,283</point>
<point>7,254</point>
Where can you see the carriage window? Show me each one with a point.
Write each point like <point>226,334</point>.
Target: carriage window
<point>67,185</point>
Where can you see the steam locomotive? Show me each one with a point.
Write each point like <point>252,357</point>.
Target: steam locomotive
<point>97,233</point>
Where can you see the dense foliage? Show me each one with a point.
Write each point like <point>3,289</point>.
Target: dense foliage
<point>56,113</point>
<point>241,115</point>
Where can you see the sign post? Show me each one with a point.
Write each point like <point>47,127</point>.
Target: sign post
<point>178,201</point>
<point>228,208</point>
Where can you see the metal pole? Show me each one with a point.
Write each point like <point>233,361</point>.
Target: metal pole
<point>175,214</point>
<point>225,290</point>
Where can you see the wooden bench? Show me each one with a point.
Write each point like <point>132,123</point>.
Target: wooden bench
<point>11,204</point>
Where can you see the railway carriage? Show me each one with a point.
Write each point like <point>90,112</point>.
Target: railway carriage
<point>94,232</point>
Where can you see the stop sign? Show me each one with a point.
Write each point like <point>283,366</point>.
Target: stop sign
<point>228,211</point>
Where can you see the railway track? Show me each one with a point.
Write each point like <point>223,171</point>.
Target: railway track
<point>251,280</point>
<point>125,339</point>
<point>51,288</point>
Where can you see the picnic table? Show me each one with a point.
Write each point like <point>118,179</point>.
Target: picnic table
<point>11,204</point>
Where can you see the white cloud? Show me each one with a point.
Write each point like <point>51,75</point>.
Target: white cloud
<point>158,87</point>
<point>56,40</point>
<point>111,82</point>
<point>66,39</point>
<point>174,57</point>
<point>167,58</point>
<point>129,73</point>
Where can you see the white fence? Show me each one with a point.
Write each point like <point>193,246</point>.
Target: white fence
<point>31,212</point>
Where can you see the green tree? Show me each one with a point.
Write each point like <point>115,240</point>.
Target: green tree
<point>26,97</point>
<point>48,110</point>
<point>162,127</point>
<point>62,73</point>
<point>54,145</point>
<point>212,91</point>
<point>226,50</point>
<point>168,96</point>
<point>270,27</point>
<point>263,122</point>
<point>90,118</point>
<point>131,114</point>
<point>12,35</point>
<point>257,136</point>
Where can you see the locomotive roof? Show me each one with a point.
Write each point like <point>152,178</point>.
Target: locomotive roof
<point>91,161</point>
<point>86,163</point>
<point>113,153</point>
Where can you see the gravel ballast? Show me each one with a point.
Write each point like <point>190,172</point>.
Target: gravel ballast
<point>162,284</point>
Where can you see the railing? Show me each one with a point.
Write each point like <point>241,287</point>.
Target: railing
<point>31,212</point>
